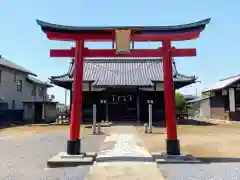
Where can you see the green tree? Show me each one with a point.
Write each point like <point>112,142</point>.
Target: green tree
<point>203,95</point>
<point>179,101</point>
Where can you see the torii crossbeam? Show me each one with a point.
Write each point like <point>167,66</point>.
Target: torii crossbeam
<point>164,34</point>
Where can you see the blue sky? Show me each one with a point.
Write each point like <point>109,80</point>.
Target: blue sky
<point>22,41</point>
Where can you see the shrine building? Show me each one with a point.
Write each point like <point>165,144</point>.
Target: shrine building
<point>122,87</point>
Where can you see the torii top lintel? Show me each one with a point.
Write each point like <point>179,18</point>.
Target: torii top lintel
<point>139,33</point>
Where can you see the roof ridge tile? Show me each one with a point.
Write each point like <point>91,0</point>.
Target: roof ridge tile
<point>227,78</point>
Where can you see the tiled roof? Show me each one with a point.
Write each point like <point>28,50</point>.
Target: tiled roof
<point>222,83</point>
<point>197,99</point>
<point>7,63</point>
<point>123,72</point>
<point>37,81</point>
<point>189,97</point>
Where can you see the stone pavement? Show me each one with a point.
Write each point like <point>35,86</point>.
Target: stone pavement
<point>123,156</point>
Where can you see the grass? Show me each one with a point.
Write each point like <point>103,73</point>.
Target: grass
<point>209,140</point>
<point>29,130</point>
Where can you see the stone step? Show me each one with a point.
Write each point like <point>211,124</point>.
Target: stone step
<point>124,147</point>
<point>125,171</point>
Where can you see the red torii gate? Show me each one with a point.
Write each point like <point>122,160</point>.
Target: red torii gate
<point>165,34</point>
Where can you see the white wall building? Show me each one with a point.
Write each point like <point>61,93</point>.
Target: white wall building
<point>18,84</point>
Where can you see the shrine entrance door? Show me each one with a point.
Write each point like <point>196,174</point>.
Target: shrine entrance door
<point>122,106</point>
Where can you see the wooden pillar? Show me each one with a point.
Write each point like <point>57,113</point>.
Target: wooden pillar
<point>106,111</point>
<point>43,112</point>
<point>103,103</point>
<point>232,103</point>
<point>105,106</point>
<point>138,106</point>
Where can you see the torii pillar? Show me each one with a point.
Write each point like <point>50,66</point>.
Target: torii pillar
<point>165,34</point>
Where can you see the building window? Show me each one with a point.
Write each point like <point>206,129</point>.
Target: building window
<point>19,85</point>
<point>34,91</point>
<point>14,76</point>
<point>41,91</point>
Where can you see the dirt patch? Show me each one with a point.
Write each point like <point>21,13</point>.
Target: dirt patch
<point>222,140</point>
<point>29,130</point>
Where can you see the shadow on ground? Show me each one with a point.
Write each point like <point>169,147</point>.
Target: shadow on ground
<point>11,124</point>
<point>125,122</point>
<point>191,122</point>
<point>194,122</point>
<point>158,133</point>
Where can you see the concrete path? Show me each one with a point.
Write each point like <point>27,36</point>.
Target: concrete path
<point>123,156</point>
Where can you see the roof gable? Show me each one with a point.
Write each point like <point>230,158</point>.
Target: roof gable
<point>37,81</point>
<point>223,83</point>
<point>9,64</point>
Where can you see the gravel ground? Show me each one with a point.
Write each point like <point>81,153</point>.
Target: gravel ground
<point>24,158</point>
<point>214,171</point>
